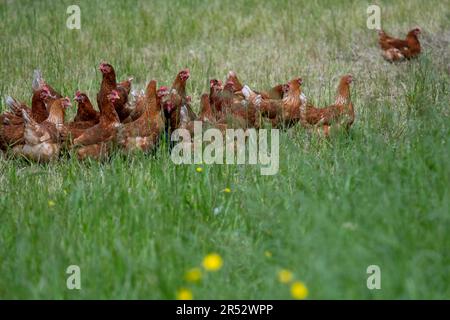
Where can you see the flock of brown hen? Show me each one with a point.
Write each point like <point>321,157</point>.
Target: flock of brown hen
<point>40,133</point>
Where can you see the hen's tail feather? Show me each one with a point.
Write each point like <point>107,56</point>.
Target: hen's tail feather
<point>247,92</point>
<point>303,99</point>
<point>231,74</point>
<point>38,81</point>
<point>13,105</point>
<point>27,118</point>
<point>184,114</point>
<point>136,93</point>
<point>257,101</point>
<point>10,102</point>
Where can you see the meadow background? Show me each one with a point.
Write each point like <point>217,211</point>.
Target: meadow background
<point>134,225</point>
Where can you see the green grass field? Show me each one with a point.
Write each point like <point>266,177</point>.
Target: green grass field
<point>134,225</point>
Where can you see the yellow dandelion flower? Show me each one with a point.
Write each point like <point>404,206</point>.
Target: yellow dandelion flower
<point>51,203</point>
<point>184,294</point>
<point>298,290</point>
<point>268,254</point>
<point>193,275</point>
<point>285,276</point>
<point>212,262</point>
<point>199,169</point>
<point>227,190</point>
